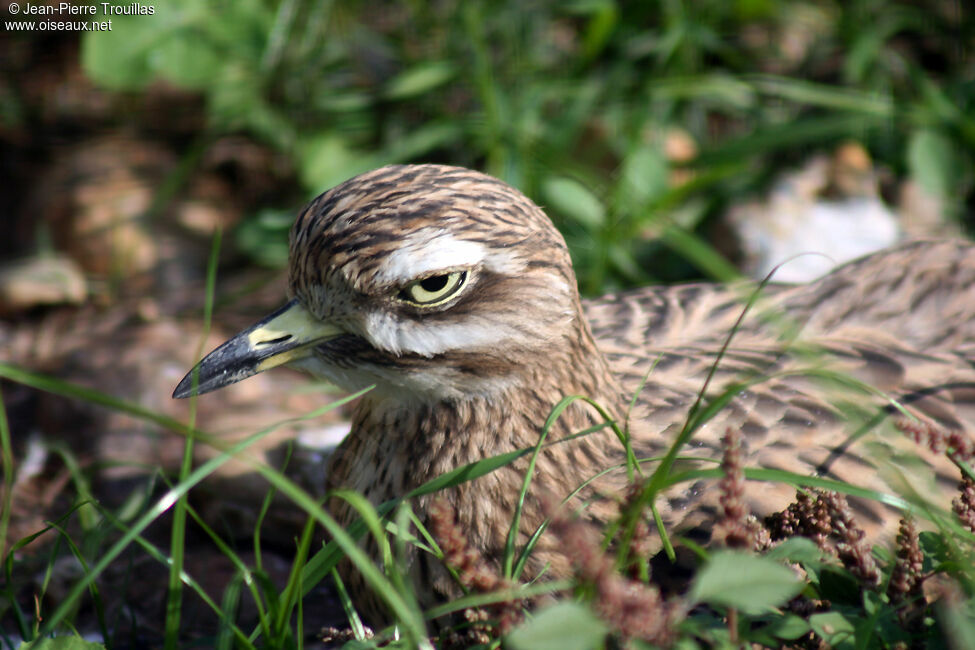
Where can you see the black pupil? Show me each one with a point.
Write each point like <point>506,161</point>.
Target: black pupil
<point>434,284</point>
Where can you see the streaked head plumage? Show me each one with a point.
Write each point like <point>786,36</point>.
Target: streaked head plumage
<point>433,262</point>
<point>427,280</point>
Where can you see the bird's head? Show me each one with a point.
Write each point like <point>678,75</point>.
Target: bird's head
<point>426,280</point>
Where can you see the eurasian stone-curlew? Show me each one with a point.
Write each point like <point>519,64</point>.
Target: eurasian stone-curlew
<point>454,295</point>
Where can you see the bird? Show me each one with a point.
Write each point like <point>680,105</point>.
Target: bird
<point>452,296</point>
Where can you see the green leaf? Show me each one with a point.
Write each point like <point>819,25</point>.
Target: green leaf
<point>771,136</point>
<point>563,626</point>
<point>643,176</point>
<point>603,20</point>
<point>572,199</point>
<point>959,623</point>
<point>187,62</point>
<point>881,622</point>
<point>419,79</point>
<point>119,59</point>
<point>751,584</point>
<point>787,627</point>
<point>834,628</point>
<point>325,160</point>
<point>796,549</point>
<point>838,585</point>
<point>935,549</point>
<point>264,237</point>
<point>933,161</point>
<point>719,88</point>
<point>826,96</point>
<point>191,44</point>
<point>419,142</point>
<point>700,253</point>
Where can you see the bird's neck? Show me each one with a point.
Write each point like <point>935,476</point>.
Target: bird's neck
<point>396,445</point>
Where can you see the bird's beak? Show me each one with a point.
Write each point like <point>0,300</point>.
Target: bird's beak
<point>288,334</point>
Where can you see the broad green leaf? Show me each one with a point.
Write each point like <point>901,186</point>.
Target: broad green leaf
<point>838,585</point>
<point>187,62</point>
<point>935,549</point>
<point>787,627</point>
<point>563,626</point>
<point>959,624</point>
<point>325,160</point>
<point>119,59</point>
<point>183,41</point>
<point>881,621</point>
<point>796,549</point>
<point>834,628</point>
<point>933,161</point>
<point>572,199</point>
<point>749,583</point>
<point>643,176</point>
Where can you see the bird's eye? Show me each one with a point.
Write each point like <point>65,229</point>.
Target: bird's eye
<point>435,289</point>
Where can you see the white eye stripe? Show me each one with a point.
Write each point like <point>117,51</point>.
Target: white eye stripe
<point>426,253</point>
<point>429,251</point>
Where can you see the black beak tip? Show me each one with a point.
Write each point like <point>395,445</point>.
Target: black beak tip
<point>187,387</point>
<point>184,388</point>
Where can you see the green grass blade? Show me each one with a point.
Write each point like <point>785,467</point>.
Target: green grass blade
<point>7,467</point>
<point>798,480</point>
<point>825,96</point>
<point>355,623</point>
<point>229,603</point>
<point>292,591</point>
<point>509,546</point>
<point>324,560</point>
<point>500,596</point>
<point>167,501</point>
<point>177,540</point>
<point>89,395</point>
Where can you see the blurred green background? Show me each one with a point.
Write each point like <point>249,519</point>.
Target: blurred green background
<point>635,124</point>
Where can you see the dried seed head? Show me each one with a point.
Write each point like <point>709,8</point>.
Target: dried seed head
<point>807,517</point>
<point>853,550</point>
<point>733,528</point>
<point>473,570</point>
<point>937,438</point>
<point>964,503</point>
<point>829,522</point>
<point>634,609</point>
<point>904,587</point>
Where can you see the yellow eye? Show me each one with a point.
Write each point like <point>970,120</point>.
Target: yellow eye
<point>435,289</point>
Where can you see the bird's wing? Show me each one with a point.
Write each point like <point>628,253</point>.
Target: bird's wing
<point>824,369</point>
